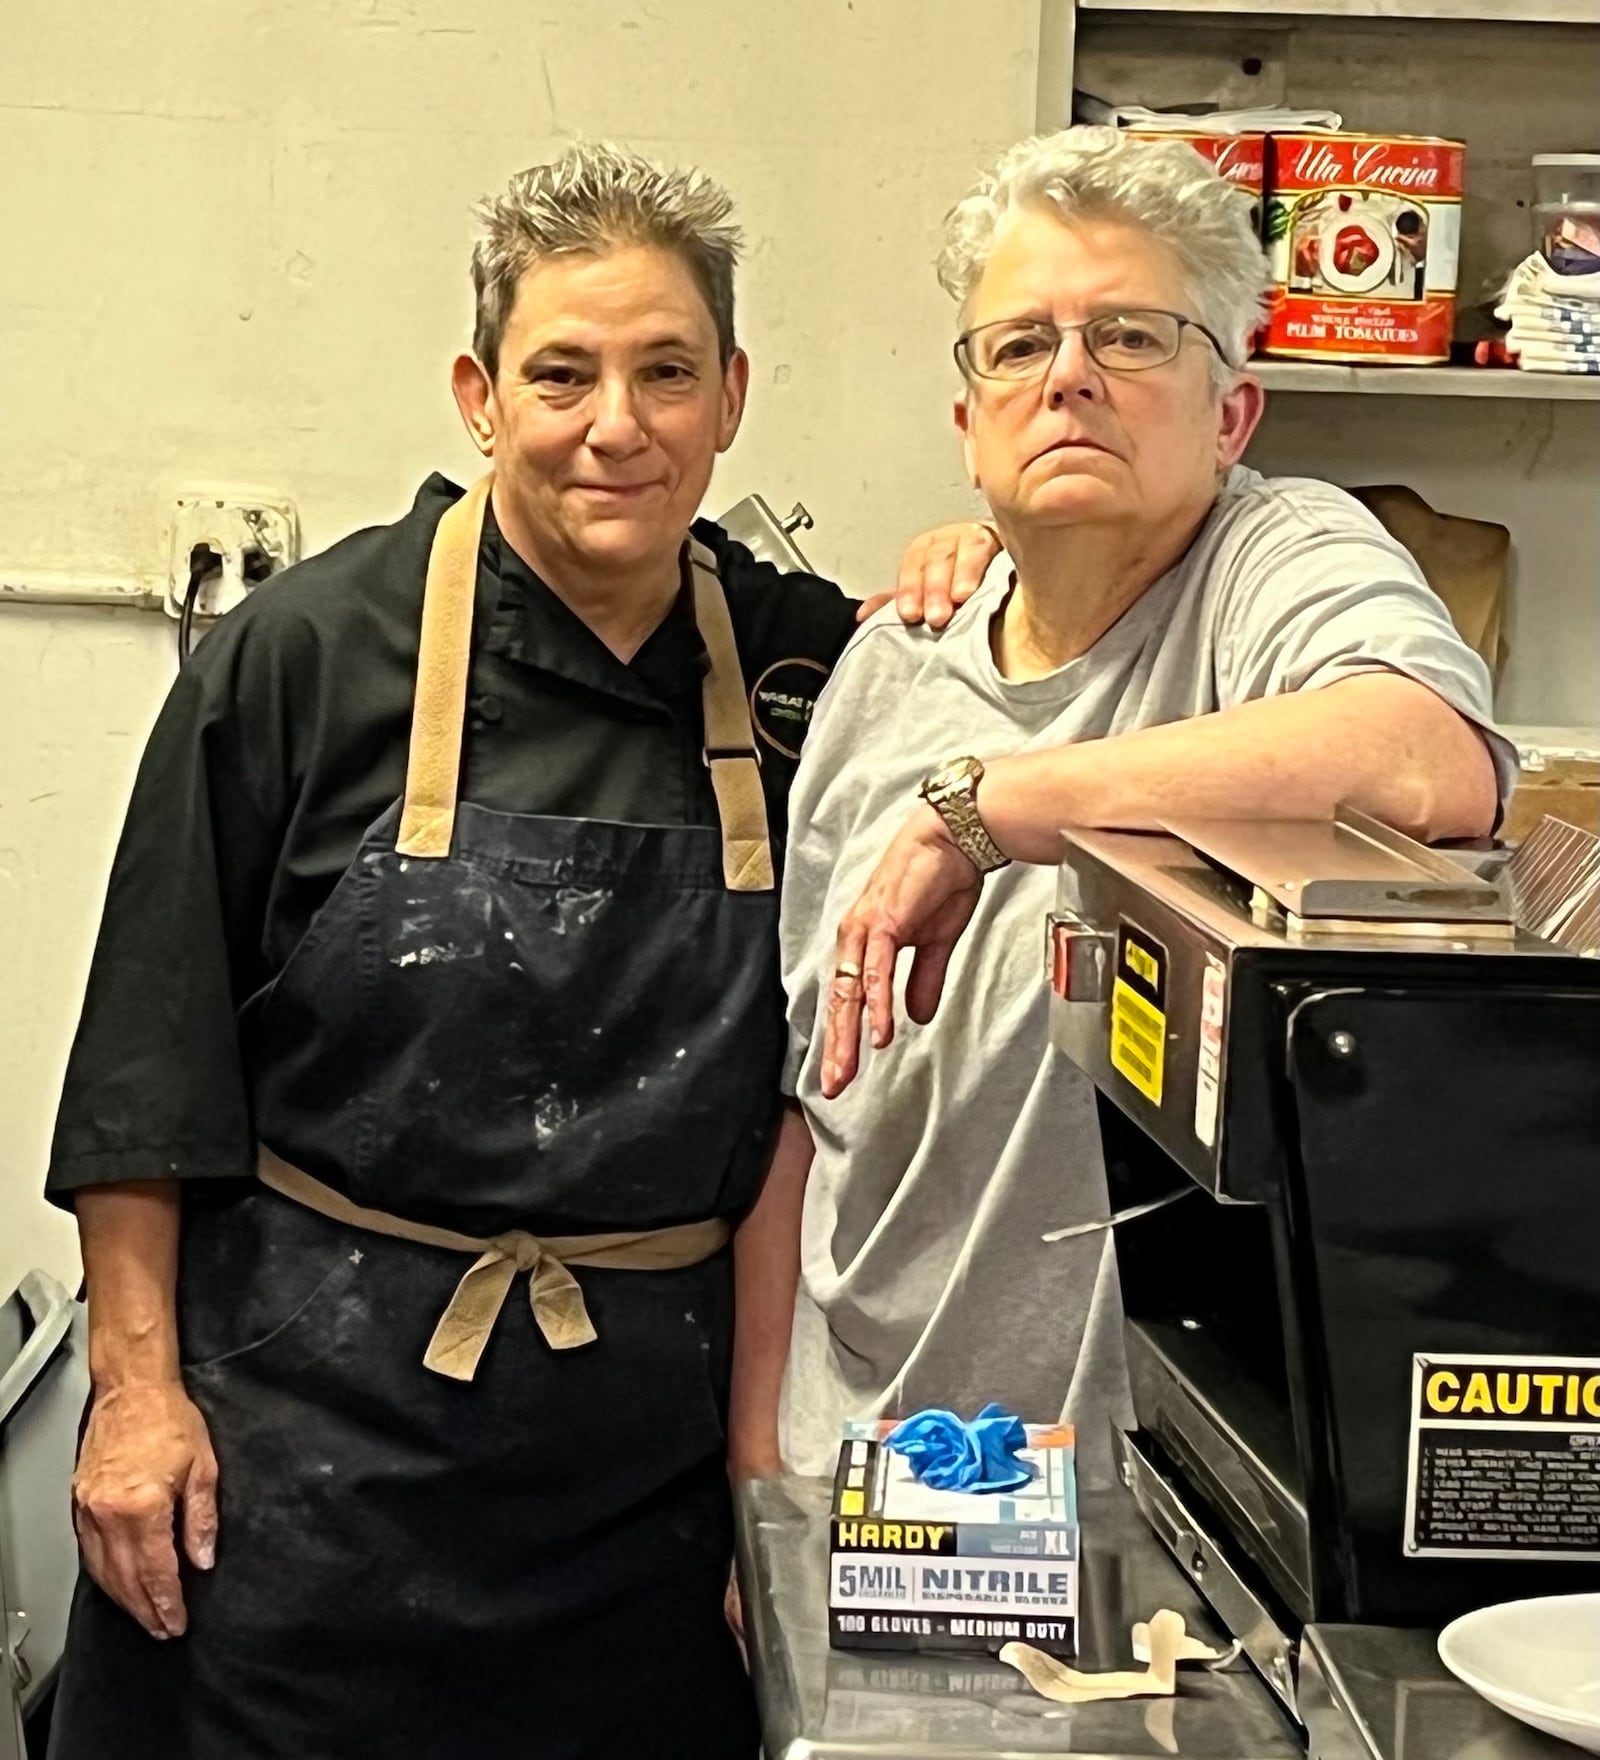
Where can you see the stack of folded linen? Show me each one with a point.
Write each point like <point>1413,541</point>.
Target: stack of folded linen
<point>1203,118</point>
<point>1554,318</point>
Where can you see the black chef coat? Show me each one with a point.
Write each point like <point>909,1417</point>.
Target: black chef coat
<point>285,737</point>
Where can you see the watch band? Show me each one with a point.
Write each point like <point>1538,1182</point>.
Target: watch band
<point>952,792</point>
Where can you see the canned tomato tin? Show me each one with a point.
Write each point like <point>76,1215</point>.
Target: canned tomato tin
<point>1240,158</point>
<point>1364,234</point>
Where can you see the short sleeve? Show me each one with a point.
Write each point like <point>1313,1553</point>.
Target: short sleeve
<point>1313,595</point>
<point>155,1087</point>
<point>805,887</point>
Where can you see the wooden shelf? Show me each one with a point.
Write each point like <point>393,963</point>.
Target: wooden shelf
<point>1428,381</point>
<point>1480,11</point>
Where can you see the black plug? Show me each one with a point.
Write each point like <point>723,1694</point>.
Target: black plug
<point>204,562</point>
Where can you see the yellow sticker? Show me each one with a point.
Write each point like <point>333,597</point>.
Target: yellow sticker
<point>1138,1040</point>
<point>1138,1011</point>
<point>1145,964</point>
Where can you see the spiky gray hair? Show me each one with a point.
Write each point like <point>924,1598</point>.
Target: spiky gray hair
<point>595,197</point>
<point>1166,187</point>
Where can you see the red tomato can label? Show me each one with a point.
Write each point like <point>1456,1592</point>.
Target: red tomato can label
<point>1363,233</point>
<point>1240,158</point>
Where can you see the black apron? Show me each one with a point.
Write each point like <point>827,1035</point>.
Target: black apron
<point>553,1025</point>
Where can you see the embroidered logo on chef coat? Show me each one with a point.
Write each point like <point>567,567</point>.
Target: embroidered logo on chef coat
<point>782,701</point>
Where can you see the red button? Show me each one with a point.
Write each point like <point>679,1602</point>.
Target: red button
<point>1062,936</point>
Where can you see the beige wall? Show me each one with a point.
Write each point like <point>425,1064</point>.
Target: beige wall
<point>232,254</point>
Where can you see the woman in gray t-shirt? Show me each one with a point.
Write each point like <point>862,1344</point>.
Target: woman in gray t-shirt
<point>1169,632</point>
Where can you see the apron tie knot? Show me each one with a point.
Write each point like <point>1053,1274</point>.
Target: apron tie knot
<point>558,1308</point>
<point>525,1249</point>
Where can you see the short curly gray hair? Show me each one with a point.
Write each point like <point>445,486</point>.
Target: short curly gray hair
<point>1166,187</point>
<point>595,197</point>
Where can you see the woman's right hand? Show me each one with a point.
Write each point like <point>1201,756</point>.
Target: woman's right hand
<point>146,1452</point>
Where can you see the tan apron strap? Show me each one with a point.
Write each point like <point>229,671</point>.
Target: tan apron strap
<point>290,1182</point>
<point>730,750</point>
<point>433,770</point>
<point>558,1307</point>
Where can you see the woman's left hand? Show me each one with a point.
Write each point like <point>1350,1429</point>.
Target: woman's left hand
<point>939,572</point>
<point>921,895</point>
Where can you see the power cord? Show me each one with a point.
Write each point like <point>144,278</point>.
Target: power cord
<point>255,566</point>
<point>203,561</point>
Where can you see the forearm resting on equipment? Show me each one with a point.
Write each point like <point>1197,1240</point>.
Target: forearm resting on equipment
<point>766,1275</point>
<point>1378,742</point>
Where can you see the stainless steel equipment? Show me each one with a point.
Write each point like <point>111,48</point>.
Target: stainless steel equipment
<point>818,1704</point>
<point>1372,1100</point>
<point>1365,1693</point>
<point>767,537</point>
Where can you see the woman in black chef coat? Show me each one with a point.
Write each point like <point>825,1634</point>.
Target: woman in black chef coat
<point>439,968</point>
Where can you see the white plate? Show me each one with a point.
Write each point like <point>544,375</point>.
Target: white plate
<point>1537,1660</point>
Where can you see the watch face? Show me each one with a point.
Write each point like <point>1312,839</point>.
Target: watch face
<point>951,774</point>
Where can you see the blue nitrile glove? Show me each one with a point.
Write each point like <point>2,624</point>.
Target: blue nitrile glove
<point>948,1454</point>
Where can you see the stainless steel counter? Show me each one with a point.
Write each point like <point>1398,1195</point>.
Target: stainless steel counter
<point>822,1704</point>
<point>1375,1693</point>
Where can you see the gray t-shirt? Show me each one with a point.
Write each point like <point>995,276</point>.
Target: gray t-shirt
<point>925,1280</point>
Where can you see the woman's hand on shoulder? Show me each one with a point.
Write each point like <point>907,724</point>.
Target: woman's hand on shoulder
<point>939,572</point>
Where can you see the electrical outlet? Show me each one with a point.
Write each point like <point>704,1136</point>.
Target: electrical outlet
<point>234,527</point>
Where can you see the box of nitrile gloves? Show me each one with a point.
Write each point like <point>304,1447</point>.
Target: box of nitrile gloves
<point>910,1568</point>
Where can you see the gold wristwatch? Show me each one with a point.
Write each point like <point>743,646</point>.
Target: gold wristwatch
<point>952,791</point>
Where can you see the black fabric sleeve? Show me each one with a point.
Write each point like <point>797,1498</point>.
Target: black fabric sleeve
<point>824,614</point>
<point>154,1086</point>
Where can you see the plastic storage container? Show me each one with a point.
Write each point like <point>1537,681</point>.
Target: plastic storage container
<point>1567,208</point>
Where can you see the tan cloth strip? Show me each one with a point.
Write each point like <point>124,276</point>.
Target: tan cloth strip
<point>1166,1640</point>
<point>730,740</point>
<point>558,1307</point>
<point>433,770</point>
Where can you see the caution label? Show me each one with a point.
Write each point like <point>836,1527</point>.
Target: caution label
<point>1505,1457</point>
<point>1139,1011</point>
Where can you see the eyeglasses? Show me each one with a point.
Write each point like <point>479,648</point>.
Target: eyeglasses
<point>1122,342</point>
